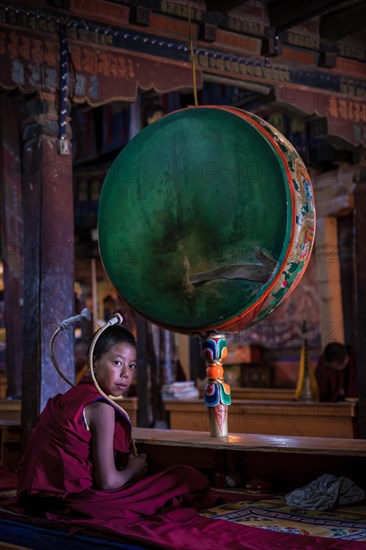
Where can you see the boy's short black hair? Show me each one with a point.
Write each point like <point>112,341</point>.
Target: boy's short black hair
<point>111,336</point>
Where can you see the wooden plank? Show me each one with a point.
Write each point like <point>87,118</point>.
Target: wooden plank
<point>293,408</point>
<point>289,418</point>
<point>270,394</point>
<point>3,385</point>
<point>10,443</point>
<point>10,409</point>
<point>9,423</point>
<point>252,442</point>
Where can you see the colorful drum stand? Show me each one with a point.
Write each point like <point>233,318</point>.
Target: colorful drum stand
<point>206,223</point>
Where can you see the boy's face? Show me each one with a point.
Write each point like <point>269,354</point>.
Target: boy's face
<point>115,370</point>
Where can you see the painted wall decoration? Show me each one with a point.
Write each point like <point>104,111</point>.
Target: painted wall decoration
<point>206,220</point>
<point>108,60</point>
<point>97,74</point>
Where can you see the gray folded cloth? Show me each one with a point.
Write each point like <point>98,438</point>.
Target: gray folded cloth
<point>325,492</point>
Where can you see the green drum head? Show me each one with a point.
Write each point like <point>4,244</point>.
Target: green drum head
<point>195,218</point>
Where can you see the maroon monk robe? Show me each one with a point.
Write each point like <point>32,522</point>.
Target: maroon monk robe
<point>58,463</point>
<point>336,385</point>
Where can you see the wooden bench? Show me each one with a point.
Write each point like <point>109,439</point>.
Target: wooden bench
<point>260,394</point>
<point>130,405</point>
<point>10,442</point>
<point>3,385</point>
<point>266,394</point>
<point>10,409</point>
<point>285,462</point>
<point>270,417</point>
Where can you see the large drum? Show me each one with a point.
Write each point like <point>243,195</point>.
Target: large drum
<point>206,220</point>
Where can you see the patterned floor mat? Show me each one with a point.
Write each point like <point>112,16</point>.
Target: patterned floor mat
<point>345,523</point>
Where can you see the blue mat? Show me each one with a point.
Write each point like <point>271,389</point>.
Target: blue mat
<point>46,539</point>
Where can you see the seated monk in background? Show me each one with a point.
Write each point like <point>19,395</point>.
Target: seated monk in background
<point>336,373</point>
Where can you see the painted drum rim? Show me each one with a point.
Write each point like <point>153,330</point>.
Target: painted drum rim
<point>296,231</point>
<point>259,302</point>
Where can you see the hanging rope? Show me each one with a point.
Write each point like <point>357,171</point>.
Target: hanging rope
<point>192,55</point>
<point>116,319</point>
<point>63,83</point>
<point>53,357</point>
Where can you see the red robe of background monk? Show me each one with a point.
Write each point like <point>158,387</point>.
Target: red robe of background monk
<point>336,373</point>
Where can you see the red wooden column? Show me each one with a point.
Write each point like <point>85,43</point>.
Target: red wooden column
<point>12,240</point>
<point>144,359</point>
<point>360,294</point>
<point>48,259</point>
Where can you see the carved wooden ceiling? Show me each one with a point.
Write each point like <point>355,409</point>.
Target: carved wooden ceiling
<point>338,18</point>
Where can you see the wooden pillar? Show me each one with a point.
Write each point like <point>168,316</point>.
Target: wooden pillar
<point>197,364</point>
<point>12,241</point>
<point>346,259</point>
<point>144,419</point>
<point>48,259</point>
<point>360,295</point>
<point>329,281</point>
<point>183,353</point>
